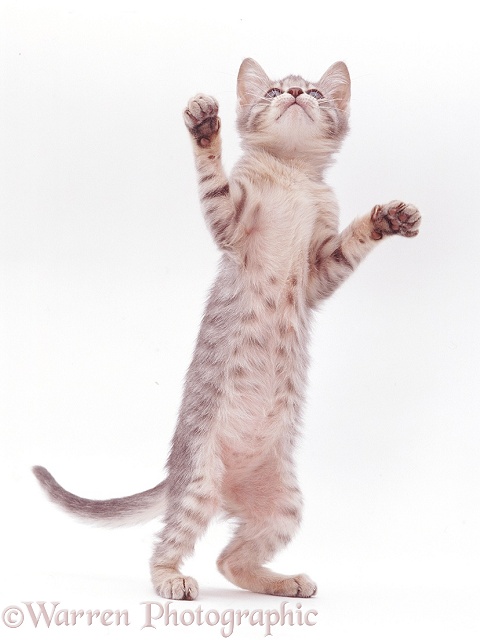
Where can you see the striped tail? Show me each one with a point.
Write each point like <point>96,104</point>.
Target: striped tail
<point>116,512</point>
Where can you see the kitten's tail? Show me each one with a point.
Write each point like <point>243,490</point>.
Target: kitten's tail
<point>130,510</point>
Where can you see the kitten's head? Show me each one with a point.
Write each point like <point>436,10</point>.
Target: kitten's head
<point>293,117</point>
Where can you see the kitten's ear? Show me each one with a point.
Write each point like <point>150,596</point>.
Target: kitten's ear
<point>336,82</point>
<point>252,82</point>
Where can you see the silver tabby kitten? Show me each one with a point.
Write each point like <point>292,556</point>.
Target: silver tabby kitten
<point>276,222</point>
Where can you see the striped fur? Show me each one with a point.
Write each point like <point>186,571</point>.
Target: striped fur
<point>276,224</point>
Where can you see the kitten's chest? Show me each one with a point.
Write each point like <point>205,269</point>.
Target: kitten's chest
<point>281,206</point>
<point>279,227</point>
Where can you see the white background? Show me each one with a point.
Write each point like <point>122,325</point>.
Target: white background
<point>105,263</point>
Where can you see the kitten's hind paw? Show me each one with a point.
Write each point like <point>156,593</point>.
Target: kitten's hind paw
<point>169,583</point>
<point>178,588</point>
<point>300,586</point>
<point>201,119</point>
<point>395,218</point>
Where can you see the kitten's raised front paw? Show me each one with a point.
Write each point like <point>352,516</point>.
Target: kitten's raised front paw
<point>395,217</point>
<point>201,118</point>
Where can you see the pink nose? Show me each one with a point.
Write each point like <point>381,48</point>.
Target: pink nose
<point>295,91</point>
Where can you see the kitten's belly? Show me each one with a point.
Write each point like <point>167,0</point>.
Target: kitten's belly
<point>264,373</point>
<point>247,378</point>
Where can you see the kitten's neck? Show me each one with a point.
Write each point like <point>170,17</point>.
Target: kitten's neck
<point>312,169</point>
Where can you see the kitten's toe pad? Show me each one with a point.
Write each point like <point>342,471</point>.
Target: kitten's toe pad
<point>395,218</point>
<point>201,118</point>
<point>300,586</point>
<point>179,588</point>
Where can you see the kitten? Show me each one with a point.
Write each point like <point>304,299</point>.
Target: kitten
<point>276,223</point>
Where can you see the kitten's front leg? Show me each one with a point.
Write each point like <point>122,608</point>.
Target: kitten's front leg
<point>340,255</point>
<point>203,123</point>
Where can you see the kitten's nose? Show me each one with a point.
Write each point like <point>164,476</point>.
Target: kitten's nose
<point>295,91</point>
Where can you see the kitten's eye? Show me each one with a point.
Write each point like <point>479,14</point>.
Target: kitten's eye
<point>273,93</point>
<point>315,93</point>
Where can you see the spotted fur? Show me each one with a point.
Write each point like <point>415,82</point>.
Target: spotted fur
<point>276,224</point>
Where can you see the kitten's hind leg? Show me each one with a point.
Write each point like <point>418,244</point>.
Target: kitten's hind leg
<point>256,541</point>
<point>186,520</point>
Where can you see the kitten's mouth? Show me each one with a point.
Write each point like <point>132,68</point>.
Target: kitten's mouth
<point>295,103</point>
